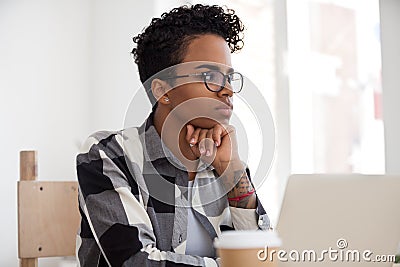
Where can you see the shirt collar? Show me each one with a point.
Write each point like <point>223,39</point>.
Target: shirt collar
<point>155,148</point>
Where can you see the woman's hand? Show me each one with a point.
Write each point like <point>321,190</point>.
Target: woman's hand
<point>216,146</point>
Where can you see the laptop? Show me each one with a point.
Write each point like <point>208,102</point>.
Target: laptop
<point>331,220</point>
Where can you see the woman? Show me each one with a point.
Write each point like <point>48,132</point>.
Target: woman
<point>158,195</point>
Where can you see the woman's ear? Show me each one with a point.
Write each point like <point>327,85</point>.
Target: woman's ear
<point>160,89</point>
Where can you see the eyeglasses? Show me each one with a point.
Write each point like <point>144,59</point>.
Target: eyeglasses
<point>215,80</point>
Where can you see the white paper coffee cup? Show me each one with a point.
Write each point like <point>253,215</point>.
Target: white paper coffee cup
<point>247,248</point>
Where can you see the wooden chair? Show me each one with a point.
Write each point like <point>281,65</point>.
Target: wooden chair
<point>48,215</point>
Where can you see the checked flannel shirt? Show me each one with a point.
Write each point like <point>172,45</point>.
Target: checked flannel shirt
<point>133,202</point>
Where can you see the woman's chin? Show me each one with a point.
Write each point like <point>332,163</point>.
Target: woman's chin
<point>206,123</point>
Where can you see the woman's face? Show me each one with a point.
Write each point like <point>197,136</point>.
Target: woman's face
<point>191,101</point>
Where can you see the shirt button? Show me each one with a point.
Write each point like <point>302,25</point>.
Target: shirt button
<point>180,238</point>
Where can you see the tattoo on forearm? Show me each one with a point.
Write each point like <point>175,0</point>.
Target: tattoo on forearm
<point>243,186</point>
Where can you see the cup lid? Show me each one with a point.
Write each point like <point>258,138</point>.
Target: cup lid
<point>247,239</point>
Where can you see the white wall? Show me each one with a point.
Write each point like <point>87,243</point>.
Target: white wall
<point>114,76</point>
<point>44,89</point>
<point>65,71</point>
<point>390,41</point>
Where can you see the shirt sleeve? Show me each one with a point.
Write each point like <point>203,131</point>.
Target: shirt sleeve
<point>114,215</point>
<point>244,219</point>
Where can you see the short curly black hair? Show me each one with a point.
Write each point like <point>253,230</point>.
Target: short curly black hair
<point>163,43</point>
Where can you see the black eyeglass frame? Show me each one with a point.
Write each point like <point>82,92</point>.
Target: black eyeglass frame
<point>204,75</point>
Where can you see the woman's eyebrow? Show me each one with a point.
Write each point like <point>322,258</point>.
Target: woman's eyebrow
<point>213,67</point>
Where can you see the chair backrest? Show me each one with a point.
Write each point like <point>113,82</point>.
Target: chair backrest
<point>48,214</point>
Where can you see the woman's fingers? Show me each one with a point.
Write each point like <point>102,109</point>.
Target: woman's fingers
<point>189,132</point>
<point>204,142</point>
<point>192,135</point>
<point>201,143</point>
<point>209,143</point>
<point>195,136</point>
<point>218,130</point>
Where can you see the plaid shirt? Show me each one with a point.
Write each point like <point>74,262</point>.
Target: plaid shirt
<point>122,178</point>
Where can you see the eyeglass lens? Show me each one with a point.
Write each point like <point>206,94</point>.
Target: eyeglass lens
<point>215,81</point>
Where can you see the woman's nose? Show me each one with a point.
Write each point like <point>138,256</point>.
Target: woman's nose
<point>226,91</point>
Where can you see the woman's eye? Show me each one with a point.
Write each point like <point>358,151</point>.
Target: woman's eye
<point>210,76</point>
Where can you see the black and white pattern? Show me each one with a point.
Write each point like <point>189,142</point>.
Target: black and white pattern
<point>122,177</point>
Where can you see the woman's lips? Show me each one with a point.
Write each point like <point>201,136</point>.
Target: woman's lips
<point>224,110</point>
